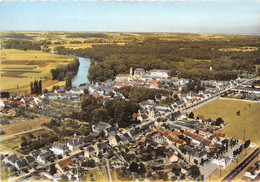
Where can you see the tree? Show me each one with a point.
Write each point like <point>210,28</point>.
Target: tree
<point>219,121</point>
<point>176,171</point>
<point>68,84</point>
<point>142,169</point>
<point>36,87</point>
<point>31,85</point>
<point>195,171</point>
<point>133,167</point>
<point>40,87</point>
<point>53,169</point>
<point>191,115</point>
<point>238,113</point>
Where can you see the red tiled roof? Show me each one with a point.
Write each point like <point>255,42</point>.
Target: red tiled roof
<point>206,142</point>
<point>158,129</point>
<point>65,163</point>
<point>121,85</point>
<point>194,136</point>
<point>178,141</point>
<point>176,133</point>
<point>170,154</point>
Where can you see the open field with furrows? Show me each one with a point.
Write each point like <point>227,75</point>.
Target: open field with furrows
<point>227,109</point>
<point>24,126</point>
<point>19,68</point>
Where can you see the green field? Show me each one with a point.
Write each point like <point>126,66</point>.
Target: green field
<point>226,109</point>
<point>12,143</point>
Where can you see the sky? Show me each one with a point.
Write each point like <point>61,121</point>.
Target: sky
<point>212,16</point>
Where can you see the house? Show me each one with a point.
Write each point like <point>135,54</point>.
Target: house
<point>176,115</point>
<point>119,85</point>
<point>73,143</point>
<point>2,105</point>
<point>102,147</point>
<point>252,172</point>
<point>21,163</point>
<point>171,156</point>
<point>58,149</point>
<point>29,159</point>
<point>63,165</point>
<point>44,157</point>
<point>148,103</point>
<point>137,116</point>
<point>159,73</point>
<point>139,72</point>
<point>90,152</point>
<point>122,78</point>
<point>205,143</point>
<point>196,139</point>
<point>57,177</point>
<point>100,127</point>
<point>35,153</point>
<point>11,159</point>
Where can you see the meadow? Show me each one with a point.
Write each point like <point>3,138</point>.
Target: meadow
<point>18,68</point>
<point>227,110</point>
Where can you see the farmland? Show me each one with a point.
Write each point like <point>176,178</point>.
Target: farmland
<point>227,110</point>
<point>24,126</point>
<point>13,142</point>
<point>19,68</point>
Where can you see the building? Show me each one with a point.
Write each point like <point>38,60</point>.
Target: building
<point>58,149</point>
<point>159,73</point>
<point>61,166</point>
<point>100,127</point>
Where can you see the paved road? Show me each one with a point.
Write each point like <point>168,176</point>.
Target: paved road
<point>242,165</point>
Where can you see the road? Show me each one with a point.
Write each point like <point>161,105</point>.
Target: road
<point>242,165</point>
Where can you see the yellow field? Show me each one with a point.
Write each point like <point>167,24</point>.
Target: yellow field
<point>226,109</point>
<point>19,68</point>
<point>240,49</point>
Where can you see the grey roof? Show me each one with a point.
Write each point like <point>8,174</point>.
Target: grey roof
<point>46,155</point>
<point>102,126</point>
<point>21,163</point>
<point>12,158</point>
<point>102,146</point>
<point>35,153</point>
<point>29,159</point>
<point>58,146</point>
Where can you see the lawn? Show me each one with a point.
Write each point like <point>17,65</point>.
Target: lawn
<point>19,68</point>
<point>226,109</point>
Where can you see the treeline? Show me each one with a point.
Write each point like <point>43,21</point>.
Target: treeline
<point>21,45</point>
<point>69,70</point>
<point>36,87</point>
<point>15,36</point>
<point>87,35</point>
<point>186,59</point>
<point>139,94</point>
<point>113,111</point>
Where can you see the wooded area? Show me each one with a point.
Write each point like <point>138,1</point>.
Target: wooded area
<point>185,59</point>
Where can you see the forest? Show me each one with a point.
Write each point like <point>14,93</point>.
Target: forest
<point>185,59</point>
<point>115,111</point>
<point>21,45</point>
<point>139,94</point>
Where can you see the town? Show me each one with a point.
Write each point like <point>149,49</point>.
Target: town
<point>160,139</point>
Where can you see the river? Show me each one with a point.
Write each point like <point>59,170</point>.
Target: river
<point>82,75</point>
